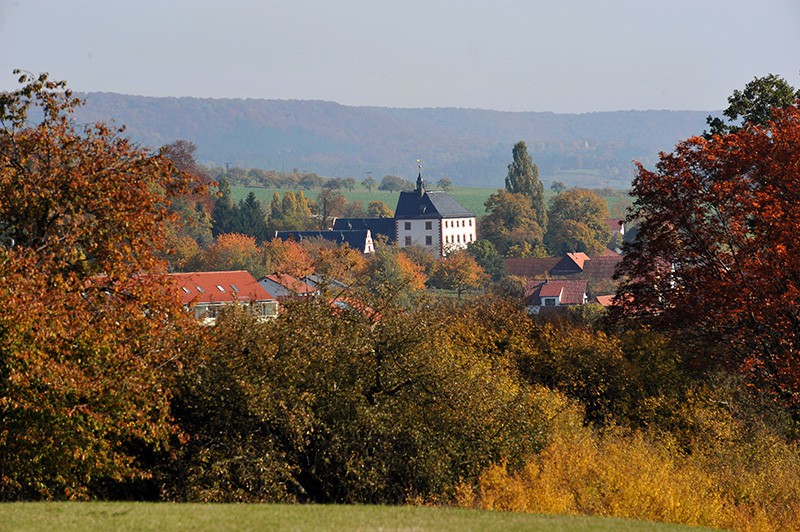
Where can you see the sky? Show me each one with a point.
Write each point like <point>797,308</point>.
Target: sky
<point>563,56</point>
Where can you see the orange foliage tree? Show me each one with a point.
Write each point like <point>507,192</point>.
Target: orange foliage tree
<point>715,258</point>
<point>458,271</point>
<point>88,330</point>
<point>234,251</point>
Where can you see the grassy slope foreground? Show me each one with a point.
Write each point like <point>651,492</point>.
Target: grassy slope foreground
<point>198,517</point>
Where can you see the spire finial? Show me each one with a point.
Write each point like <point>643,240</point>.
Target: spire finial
<point>420,183</point>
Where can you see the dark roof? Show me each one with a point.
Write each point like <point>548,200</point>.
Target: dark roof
<point>377,226</point>
<point>429,204</point>
<point>356,239</point>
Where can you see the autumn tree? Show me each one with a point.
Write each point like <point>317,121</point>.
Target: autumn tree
<point>393,183</point>
<point>715,256</point>
<point>577,222</point>
<point>458,271</point>
<point>89,330</point>
<point>390,274</point>
<point>290,213</point>
<point>287,257</point>
<point>510,220</point>
<point>369,183</point>
<point>486,255</point>
<point>445,184</point>
<point>330,204</point>
<point>379,209</point>
<point>233,251</point>
<point>523,178</point>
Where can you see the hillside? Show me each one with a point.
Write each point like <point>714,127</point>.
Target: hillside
<point>472,147</point>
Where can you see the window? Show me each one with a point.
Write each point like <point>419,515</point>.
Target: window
<point>428,226</point>
<point>429,240</point>
<point>408,241</point>
<point>220,288</point>
<point>470,222</point>
<point>408,226</point>
<point>200,289</point>
<point>549,301</point>
<point>235,288</point>
<point>185,289</point>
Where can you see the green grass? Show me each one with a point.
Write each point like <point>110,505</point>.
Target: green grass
<point>200,517</point>
<point>471,198</point>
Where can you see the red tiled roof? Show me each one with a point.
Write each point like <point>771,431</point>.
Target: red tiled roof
<point>578,258</point>
<point>216,287</point>
<point>530,266</point>
<point>615,225</point>
<point>572,291</point>
<point>606,301</point>
<point>596,268</point>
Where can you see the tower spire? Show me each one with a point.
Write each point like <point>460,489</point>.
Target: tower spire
<point>420,182</point>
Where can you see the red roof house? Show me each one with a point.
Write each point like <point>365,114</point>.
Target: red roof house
<point>555,292</point>
<point>206,292</point>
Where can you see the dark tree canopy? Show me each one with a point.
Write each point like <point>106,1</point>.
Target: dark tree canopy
<point>754,105</point>
<point>523,178</point>
<point>578,222</point>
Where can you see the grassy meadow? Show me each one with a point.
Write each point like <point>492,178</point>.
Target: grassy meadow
<point>470,197</point>
<point>74,516</point>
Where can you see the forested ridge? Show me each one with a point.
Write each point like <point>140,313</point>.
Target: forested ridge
<point>467,145</point>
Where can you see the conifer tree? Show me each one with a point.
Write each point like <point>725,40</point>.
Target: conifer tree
<point>225,215</point>
<point>523,178</point>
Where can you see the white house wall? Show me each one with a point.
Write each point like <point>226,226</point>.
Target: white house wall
<point>458,232</point>
<point>440,236</point>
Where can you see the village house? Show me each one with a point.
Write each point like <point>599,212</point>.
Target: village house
<point>205,293</point>
<point>285,286</point>
<point>555,293</point>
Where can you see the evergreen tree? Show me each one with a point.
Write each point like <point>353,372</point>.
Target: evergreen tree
<point>523,178</point>
<point>253,219</point>
<point>225,215</point>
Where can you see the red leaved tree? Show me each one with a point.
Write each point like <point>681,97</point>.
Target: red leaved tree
<point>716,256</point>
<point>89,331</point>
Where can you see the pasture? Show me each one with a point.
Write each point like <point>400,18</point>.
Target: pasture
<point>122,516</point>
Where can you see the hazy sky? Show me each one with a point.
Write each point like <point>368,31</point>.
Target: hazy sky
<point>514,55</point>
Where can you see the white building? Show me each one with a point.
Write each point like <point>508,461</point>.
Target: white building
<point>433,220</point>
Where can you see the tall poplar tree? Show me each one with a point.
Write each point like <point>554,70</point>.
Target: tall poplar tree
<point>523,178</point>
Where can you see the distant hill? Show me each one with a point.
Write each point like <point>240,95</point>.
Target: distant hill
<point>471,147</point>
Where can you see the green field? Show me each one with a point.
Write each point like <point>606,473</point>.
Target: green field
<point>471,198</point>
<point>200,517</point>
